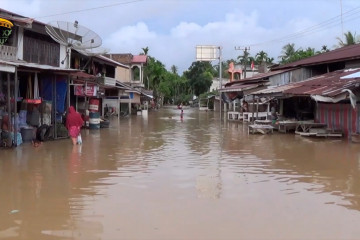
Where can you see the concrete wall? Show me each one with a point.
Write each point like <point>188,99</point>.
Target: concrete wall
<point>122,74</point>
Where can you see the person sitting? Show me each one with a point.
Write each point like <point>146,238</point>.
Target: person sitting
<point>245,106</point>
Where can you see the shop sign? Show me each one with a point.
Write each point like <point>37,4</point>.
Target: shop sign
<point>89,90</point>
<point>5,30</point>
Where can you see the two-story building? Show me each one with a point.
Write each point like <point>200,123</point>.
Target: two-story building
<point>33,82</point>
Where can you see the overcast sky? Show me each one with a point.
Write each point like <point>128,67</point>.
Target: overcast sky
<point>172,28</point>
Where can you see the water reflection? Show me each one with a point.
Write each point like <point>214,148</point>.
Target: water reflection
<point>183,178</point>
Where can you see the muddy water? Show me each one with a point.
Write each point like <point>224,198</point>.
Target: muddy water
<point>165,178</point>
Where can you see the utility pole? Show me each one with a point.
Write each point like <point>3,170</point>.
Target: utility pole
<point>220,78</point>
<point>245,57</point>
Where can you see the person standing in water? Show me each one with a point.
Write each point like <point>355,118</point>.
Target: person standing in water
<point>73,124</point>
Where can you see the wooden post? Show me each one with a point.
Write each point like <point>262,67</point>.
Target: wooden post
<point>9,100</point>
<point>282,107</point>
<point>253,109</point>
<point>15,106</point>
<point>54,105</point>
<point>257,108</point>
<point>118,105</point>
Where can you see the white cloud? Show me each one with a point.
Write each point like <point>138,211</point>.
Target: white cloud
<point>185,29</point>
<point>131,34</point>
<point>172,29</point>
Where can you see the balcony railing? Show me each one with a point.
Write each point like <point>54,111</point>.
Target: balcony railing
<point>8,52</point>
<point>137,83</point>
<point>107,81</point>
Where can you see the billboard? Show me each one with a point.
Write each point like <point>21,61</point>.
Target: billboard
<point>207,52</point>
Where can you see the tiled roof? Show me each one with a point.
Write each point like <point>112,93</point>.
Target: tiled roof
<point>139,59</point>
<point>124,58</point>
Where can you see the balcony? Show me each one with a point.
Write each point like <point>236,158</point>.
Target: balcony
<point>8,52</point>
<point>106,81</point>
<point>137,83</point>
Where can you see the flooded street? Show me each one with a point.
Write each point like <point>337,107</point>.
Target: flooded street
<point>165,178</point>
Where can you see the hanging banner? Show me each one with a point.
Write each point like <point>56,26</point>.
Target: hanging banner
<point>90,91</point>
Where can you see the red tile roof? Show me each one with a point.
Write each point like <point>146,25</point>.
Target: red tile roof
<point>139,59</point>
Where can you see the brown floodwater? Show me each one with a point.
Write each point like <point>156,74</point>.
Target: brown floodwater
<point>161,177</point>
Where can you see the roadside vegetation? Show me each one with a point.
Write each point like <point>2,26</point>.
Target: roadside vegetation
<point>170,87</point>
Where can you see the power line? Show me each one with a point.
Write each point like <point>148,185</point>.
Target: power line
<point>346,17</point>
<point>90,9</point>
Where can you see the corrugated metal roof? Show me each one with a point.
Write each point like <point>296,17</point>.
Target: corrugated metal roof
<point>240,87</point>
<point>82,76</point>
<point>23,64</point>
<point>345,53</point>
<point>329,85</point>
<point>110,61</point>
<point>260,76</point>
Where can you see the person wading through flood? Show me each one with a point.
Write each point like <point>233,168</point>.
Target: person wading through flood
<point>73,124</point>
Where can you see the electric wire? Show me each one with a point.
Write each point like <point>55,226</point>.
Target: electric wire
<point>347,17</point>
<point>89,9</point>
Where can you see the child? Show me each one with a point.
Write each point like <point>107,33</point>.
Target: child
<point>36,143</point>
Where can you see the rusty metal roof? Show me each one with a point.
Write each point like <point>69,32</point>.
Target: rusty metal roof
<point>255,78</point>
<point>350,52</point>
<point>329,85</point>
<point>240,87</point>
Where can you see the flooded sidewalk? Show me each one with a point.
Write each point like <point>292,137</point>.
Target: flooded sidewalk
<point>167,177</point>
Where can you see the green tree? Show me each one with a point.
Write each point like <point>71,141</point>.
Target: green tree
<point>145,51</point>
<point>270,60</point>
<point>324,48</point>
<point>224,66</point>
<point>261,57</point>
<point>350,39</point>
<point>174,69</point>
<point>200,75</point>
<point>287,53</point>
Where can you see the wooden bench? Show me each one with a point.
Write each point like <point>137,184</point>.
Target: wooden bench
<point>247,116</point>
<point>236,116</point>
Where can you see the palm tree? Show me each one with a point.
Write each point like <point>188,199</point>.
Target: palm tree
<point>244,59</point>
<point>174,69</point>
<point>261,57</point>
<point>145,51</point>
<point>288,51</point>
<point>350,39</point>
<point>270,60</point>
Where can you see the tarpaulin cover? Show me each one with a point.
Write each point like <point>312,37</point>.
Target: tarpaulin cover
<point>228,97</point>
<point>61,88</point>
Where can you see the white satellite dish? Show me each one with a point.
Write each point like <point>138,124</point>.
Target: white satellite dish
<point>93,51</point>
<point>73,36</point>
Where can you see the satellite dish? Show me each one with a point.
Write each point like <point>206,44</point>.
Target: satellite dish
<point>93,51</point>
<point>73,35</point>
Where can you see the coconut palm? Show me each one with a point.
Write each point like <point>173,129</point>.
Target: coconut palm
<point>261,57</point>
<point>350,39</point>
<point>145,51</point>
<point>174,69</point>
<point>288,51</point>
